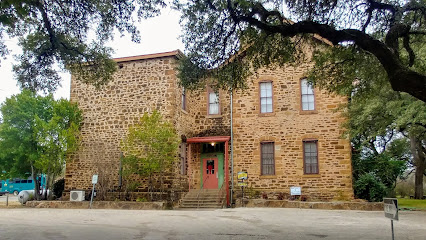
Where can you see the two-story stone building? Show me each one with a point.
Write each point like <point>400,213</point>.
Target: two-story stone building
<point>285,133</point>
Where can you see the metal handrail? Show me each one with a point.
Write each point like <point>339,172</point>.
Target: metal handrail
<point>221,191</point>
<point>202,187</point>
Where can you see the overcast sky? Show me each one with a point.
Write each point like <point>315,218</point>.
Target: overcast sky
<point>159,34</point>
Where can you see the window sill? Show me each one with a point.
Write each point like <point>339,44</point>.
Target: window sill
<point>267,176</point>
<point>311,175</point>
<point>214,115</point>
<point>308,112</point>
<point>267,114</point>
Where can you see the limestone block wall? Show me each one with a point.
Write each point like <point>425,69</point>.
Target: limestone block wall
<point>287,127</point>
<point>138,86</point>
<point>143,85</point>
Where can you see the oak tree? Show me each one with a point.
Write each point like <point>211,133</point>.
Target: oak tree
<point>69,34</point>
<point>36,135</point>
<point>230,39</point>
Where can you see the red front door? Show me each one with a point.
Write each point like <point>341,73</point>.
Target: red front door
<point>210,174</point>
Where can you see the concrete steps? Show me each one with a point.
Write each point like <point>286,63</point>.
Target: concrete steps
<point>205,198</point>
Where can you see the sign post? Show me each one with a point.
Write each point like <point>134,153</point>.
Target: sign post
<point>241,177</point>
<point>94,181</point>
<point>391,211</point>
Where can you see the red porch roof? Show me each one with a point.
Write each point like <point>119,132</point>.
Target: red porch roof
<point>208,139</point>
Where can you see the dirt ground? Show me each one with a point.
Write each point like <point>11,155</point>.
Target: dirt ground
<point>239,223</point>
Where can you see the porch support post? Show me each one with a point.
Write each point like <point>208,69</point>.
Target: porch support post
<point>189,166</point>
<point>227,173</point>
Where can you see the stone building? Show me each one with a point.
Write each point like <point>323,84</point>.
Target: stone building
<point>285,133</point>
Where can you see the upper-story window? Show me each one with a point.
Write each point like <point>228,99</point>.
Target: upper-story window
<point>266,97</point>
<point>183,99</point>
<point>308,97</point>
<point>213,104</point>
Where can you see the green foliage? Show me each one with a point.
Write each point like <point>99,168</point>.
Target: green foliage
<point>150,147</point>
<point>384,167</point>
<point>68,33</point>
<point>249,34</point>
<point>367,187</point>
<point>37,133</point>
<point>58,187</point>
<point>404,189</point>
<point>381,122</point>
<point>139,199</point>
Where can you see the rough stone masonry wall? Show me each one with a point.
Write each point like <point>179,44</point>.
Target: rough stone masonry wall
<point>196,122</point>
<point>144,85</point>
<point>287,127</point>
<point>138,87</point>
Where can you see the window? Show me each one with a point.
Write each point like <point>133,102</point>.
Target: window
<point>265,97</point>
<point>267,158</point>
<point>183,99</point>
<point>308,98</point>
<point>310,157</point>
<point>183,158</point>
<point>213,103</point>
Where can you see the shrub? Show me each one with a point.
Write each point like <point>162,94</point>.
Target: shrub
<point>58,187</point>
<point>369,188</point>
<point>404,189</point>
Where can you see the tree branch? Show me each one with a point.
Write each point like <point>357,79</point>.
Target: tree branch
<point>401,77</point>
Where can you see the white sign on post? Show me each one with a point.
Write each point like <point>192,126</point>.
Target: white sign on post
<point>95,179</point>
<point>294,191</point>
<point>391,208</point>
<point>391,211</point>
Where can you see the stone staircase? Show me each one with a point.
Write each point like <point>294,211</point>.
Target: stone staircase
<point>202,198</point>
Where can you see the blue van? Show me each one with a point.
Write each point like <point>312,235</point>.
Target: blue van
<point>17,185</point>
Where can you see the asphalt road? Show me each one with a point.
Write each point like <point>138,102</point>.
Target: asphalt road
<point>241,223</point>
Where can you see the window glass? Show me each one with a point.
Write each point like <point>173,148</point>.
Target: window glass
<point>266,97</point>
<point>213,103</point>
<point>308,97</point>
<point>267,158</point>
<point>310,157</point>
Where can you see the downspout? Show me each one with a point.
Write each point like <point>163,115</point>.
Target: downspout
<point>232,150</point>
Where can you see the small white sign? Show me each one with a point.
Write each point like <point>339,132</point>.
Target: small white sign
<point>391,208</point>
<point>95,179</point>
<point>295,191</point>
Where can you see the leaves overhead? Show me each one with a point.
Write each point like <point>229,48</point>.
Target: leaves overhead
<point>69,33</point>
<point>267,33</point>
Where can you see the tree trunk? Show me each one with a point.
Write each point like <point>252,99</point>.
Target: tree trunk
<point>36,184</point>
<point>419,161</point>
<point>418,185</point>
<point>46,187</point>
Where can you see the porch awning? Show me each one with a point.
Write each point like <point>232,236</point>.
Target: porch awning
<point>208,139</point>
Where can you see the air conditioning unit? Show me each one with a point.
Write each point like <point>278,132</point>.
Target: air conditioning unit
<point>77,196</point>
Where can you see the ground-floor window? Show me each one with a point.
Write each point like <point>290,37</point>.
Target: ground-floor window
<point>267,158</point>
<point>310,156</point>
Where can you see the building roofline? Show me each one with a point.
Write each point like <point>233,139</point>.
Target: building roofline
<point>176,53</point>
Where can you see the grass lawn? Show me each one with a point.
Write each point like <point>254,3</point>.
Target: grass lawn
<point>412,203</point>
